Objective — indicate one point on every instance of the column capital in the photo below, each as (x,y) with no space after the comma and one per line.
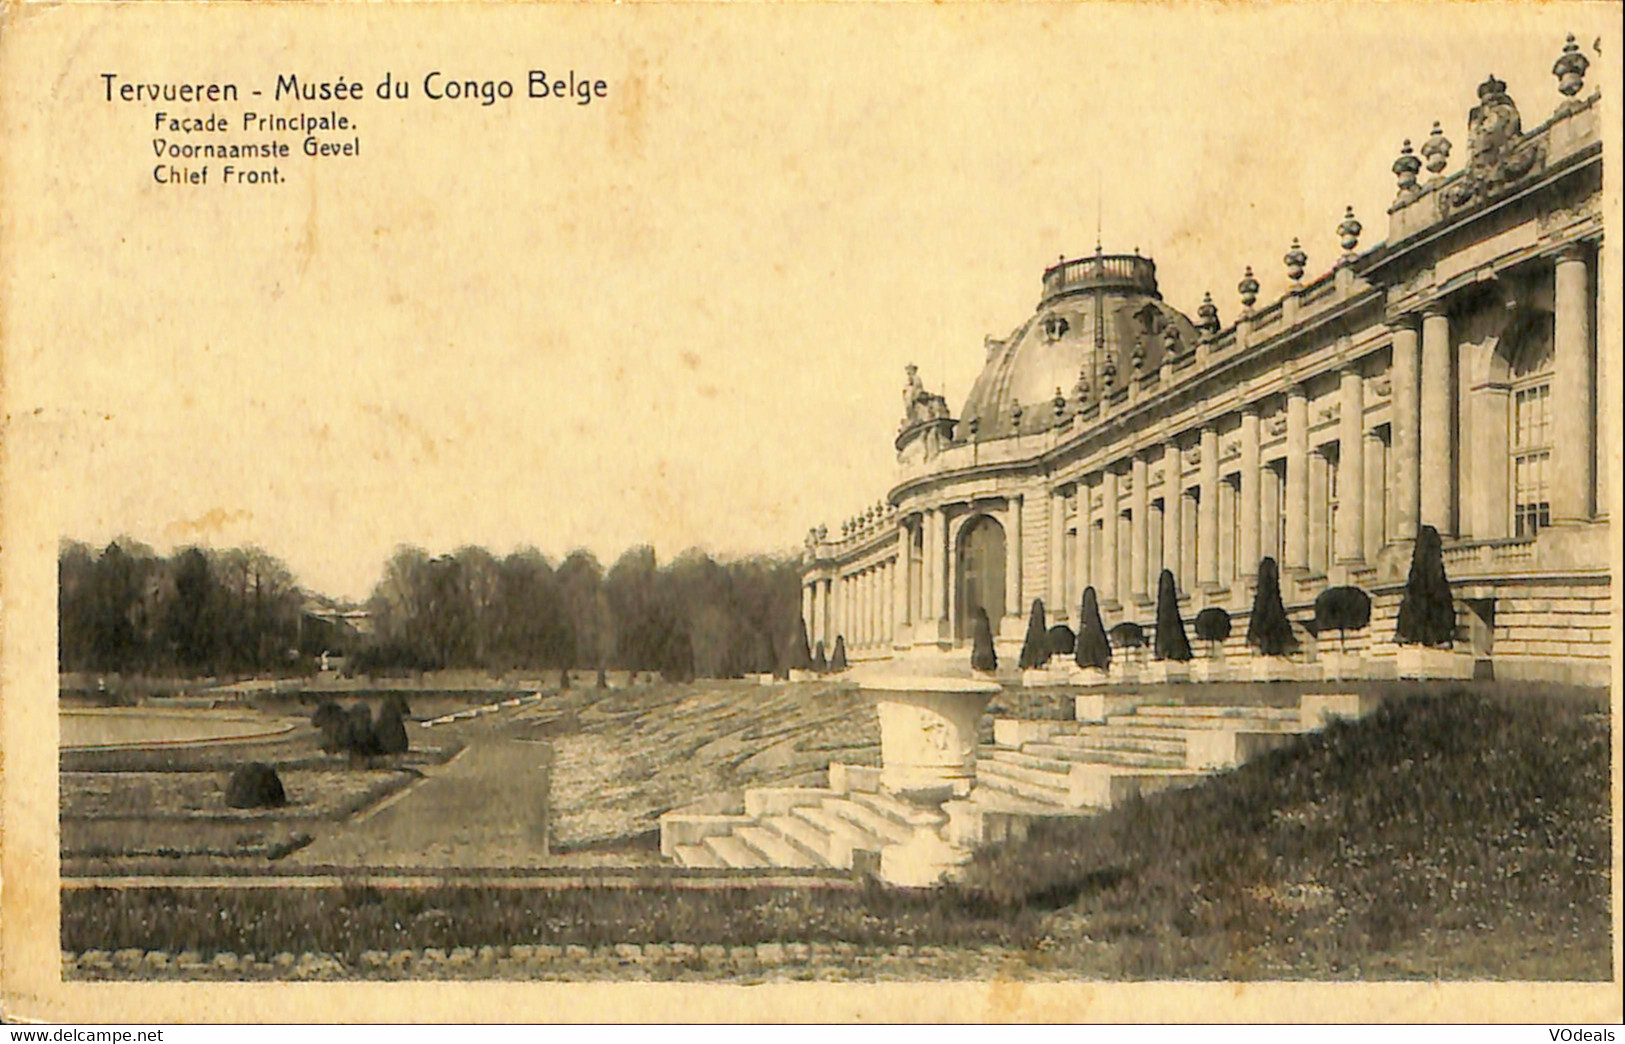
(1407,321)
(1251,409)
(1569,253)
(1438,308)
(1298,390)
(1353,366)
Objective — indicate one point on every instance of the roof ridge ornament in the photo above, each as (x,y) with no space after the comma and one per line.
(1405,169)
(1349,233)
(1295,260)
(1248,288)
(1436,150)
(1570,70)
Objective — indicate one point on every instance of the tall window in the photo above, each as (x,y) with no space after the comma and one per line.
(1531,436)
(1331,452)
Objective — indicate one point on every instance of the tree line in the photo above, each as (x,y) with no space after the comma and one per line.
(199,611)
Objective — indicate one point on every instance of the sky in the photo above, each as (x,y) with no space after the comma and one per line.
(678,315)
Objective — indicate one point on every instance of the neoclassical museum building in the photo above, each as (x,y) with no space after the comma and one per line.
(1448,375)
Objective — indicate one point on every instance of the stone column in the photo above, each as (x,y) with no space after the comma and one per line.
(1139,531)
(807,600)
(1319,505)
(1057,555)
(1573,403)
(928,567)
(1248,551)
(943,567)
(1296,552)
(1375,496)
(1080,548)
(1350,550)
(824,615)
(1437,432)
(1190,518)
(1172,509)
(1013,606)
(1207,526)
(888,602)
(1406,432)
(1106,583)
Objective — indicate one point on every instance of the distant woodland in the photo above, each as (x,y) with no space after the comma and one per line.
(207,612)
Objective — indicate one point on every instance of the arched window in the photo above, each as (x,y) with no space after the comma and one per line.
(1530,428)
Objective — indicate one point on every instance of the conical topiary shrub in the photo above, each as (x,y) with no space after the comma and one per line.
(800,658)
(1212,625)
(1427,615)
(1342,609)
(1035,647)
(1091,648)
(1171,641)
(837,662)
(1061,640)
(255,785)
(1268,629)
(982,656)
(820,662)
(564,678)
(603,678)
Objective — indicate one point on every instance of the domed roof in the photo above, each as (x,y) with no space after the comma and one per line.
(1095,314)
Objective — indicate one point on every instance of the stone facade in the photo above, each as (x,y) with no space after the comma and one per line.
(1448,376)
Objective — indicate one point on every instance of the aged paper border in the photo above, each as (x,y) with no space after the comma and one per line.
(29,873)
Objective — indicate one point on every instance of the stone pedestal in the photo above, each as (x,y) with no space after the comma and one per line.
(1426,663)
(928,729)
(1088,677)
(1159,672)
(1273,669)
(1207,669)
(1341,666)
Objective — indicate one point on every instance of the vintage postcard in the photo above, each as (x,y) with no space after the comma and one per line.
(940,513)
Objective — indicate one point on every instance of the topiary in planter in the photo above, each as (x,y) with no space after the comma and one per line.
(1035,647)
(1342,609)
(982,655)
(1212,625)
(1091,649)
(1427,615)
(1171,641)
(1127,635)
(390,730)
(1268,629)
(360,739)
(1061,640)
(837,662)
(820,662)
(255,785)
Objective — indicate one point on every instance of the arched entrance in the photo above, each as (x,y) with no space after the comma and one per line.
(979,574)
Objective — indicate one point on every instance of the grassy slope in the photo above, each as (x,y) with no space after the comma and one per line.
(1462,835)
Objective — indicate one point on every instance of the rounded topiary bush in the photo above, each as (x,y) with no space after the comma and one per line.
(1427,615)
(1171,641)
(1268,629)
(982,655)
(1090,647)
(1342,609)
(390,730)
(329,717)
(837,662)
(1212,624)
(359,736)
(1035,647)
(255,785)
(1061,640)
(1127,635)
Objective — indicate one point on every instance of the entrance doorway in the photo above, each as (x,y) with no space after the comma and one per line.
(980,575)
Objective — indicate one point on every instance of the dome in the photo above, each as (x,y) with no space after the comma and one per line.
(1109,300)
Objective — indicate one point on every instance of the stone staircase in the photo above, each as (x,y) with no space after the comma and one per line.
(1033,770)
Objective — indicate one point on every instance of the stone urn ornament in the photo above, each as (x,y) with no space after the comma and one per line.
(928,742)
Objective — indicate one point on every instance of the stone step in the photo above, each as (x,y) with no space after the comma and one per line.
(993,775)
(843,836)
(866,819)
(806,835)
(1106,755)
(778,849)
(994,799)
(735,853)
(698,856)
(1029,757)
(1165,741)
(1191,721)
(1212,710)
(895,809)
(1005,764)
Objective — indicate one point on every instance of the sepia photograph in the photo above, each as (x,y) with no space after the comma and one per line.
(963,513)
